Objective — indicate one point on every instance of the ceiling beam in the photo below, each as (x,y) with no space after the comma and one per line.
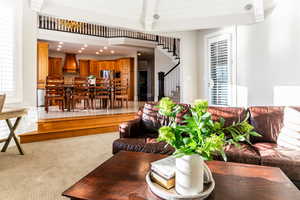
(259,12)
(36,5)
(149,10)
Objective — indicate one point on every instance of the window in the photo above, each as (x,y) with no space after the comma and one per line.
(220,70)
(8,53)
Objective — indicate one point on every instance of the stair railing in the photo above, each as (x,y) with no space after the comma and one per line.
(169,83)
(71,26)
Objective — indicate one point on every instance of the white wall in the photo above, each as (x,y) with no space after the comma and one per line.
(29,55)
(268,57)
(189,65)
(268,64)
(162,63)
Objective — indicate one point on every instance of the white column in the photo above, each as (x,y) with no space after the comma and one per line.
(29,55)
(189,69)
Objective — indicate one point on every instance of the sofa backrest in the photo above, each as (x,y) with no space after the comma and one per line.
(266,120)
(152,121)
(230,114)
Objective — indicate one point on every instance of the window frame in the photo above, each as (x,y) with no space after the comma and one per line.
(17,52)
(223,33)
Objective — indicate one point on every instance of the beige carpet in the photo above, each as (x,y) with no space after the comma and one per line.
(50,167)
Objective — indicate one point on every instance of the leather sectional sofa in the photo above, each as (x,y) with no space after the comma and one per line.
(139,135)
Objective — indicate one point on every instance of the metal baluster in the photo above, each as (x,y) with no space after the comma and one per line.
(52,23)
(46,22)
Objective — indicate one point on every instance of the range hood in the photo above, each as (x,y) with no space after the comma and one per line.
(70,65)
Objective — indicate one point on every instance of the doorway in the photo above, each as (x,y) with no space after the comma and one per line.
(142,85)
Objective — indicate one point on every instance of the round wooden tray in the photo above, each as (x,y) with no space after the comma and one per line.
(171,194)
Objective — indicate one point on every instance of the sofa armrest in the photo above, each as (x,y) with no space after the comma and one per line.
(130,129)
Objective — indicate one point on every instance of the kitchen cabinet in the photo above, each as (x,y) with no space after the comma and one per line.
(94,68)
(84,68)
(42,64)
(126,66)
(55,66)
(123,66)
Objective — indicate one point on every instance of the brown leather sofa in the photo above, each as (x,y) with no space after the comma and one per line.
(139,135)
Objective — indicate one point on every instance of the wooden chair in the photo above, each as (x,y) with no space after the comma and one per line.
(120,92)
(54,92)
(81,92)
(102,92)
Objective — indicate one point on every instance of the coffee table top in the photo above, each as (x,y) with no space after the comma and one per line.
(122,177)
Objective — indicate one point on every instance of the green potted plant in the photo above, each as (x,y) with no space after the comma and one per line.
(197,139)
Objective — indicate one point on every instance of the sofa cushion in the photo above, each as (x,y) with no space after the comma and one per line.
(129,144)
(287,160)
(230,114)
(267,121)
(243,154)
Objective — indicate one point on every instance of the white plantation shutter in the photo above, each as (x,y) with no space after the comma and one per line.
(7,49)
(220,70)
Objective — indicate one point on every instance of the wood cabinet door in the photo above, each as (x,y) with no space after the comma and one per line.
(130,64)
(84,68)
(111,65)
(117,66)
(103,65)
(55,66)
(94,68)
(126,66)
(42,63)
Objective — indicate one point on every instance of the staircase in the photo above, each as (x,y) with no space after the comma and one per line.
(169,82)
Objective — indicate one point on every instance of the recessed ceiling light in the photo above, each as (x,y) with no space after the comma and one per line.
(248,6)
(97,52)
(85,45)
(61,43)
(139,54)
(58,49)
(82,48)
(79,51)
(59,46)
(101,50)
(112,51)
(105,48)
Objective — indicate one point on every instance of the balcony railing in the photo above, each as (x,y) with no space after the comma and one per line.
(71,26)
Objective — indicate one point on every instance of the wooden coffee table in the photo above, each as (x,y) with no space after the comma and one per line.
(122,177)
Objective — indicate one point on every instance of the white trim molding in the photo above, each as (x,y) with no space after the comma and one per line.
(231,32)
(259,12)
(36,5)
(149,8)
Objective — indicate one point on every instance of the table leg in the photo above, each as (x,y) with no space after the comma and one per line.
(12,134)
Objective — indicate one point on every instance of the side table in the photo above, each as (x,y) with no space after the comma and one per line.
(7,115)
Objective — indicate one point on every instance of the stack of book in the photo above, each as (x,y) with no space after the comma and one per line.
(162,172)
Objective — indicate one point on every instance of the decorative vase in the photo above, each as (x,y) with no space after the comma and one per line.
(189,174)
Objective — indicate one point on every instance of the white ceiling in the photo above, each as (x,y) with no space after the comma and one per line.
(92,49)
(174,15)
